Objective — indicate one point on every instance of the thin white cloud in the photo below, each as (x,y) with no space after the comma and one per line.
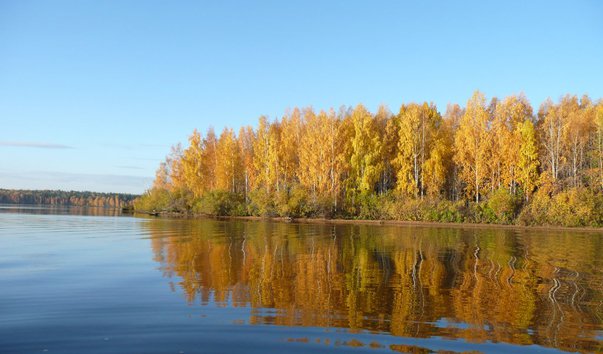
(35,144)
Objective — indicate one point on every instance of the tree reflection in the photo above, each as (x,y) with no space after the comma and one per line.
(500,285)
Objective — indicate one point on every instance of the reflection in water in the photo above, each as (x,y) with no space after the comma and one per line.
(59,210)
(497,285)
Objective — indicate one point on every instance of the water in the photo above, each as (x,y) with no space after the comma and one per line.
(71,282)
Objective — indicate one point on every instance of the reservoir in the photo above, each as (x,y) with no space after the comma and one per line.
(90,281)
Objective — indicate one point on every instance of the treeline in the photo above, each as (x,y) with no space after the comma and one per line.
(68,198)
(492,162)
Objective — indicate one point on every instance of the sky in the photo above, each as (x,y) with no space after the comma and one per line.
(94,93)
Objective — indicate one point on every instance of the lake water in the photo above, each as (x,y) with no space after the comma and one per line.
(71,282)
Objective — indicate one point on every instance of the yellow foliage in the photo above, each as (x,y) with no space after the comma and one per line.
(356,164)
(472,144)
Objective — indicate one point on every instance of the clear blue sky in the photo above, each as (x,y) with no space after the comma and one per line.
(94,93)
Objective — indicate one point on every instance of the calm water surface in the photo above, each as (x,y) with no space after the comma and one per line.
(72,282)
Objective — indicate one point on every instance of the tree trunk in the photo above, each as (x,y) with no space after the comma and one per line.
(476,186)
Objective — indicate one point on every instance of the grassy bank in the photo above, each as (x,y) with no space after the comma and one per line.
(575,207)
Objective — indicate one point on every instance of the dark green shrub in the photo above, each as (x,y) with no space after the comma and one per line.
(503,205)
(371,206)
(153,200)
(574,207)
(293,203)
(218,203)
(261,203)
(444,211)
(406,209)
(479,213)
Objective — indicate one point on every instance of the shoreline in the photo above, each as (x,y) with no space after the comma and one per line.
(381,222)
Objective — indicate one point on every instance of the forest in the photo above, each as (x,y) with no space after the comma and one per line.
(67,198)
(496,161)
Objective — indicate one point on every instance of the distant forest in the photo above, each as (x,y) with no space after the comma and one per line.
(488,162)
(72,198)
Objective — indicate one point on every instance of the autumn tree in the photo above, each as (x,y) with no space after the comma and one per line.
(598,143)
(319,152)
(386,124)
(576,133)
(346,133)
(451,121)
(210,158)
(550,127)
(175,168)
(194,167)
(527,164)
(471,144)
(505,140)
(246,142)
(263,155)
(334,152)
(313,153)
(366,164)
(287,148)
(435,168)
(433,150)
(417,135)
(161,177)
(227,162)
(274,171)
(407,158)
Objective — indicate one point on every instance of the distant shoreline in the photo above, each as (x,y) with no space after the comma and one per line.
(66,198)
